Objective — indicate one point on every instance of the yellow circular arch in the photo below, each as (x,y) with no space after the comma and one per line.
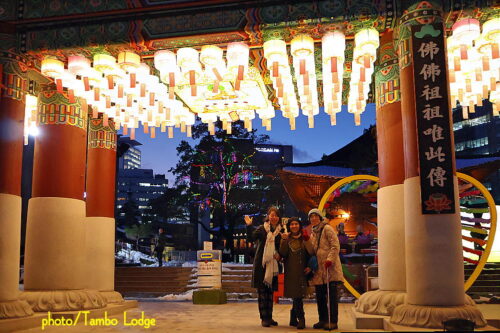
(491,234)
(324,199)
(473,181)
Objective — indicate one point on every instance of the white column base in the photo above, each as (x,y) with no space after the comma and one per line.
(434,258)
(112,297)
(391,238)
(63,300)
(391,255)
(10,246)
(433,316)
(100,257)
(434,266)
(55,257)
(380,302)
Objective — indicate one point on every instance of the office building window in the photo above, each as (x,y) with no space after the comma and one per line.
(459,146)
(471,122)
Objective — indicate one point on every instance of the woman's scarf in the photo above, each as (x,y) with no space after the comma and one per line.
(268,262)
(317,231)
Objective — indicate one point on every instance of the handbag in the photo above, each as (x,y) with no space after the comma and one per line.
(312,263)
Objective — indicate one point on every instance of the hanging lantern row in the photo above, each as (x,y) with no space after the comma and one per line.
(216,88)
(333,48)
(122,89)
(366,43)
(474,64)
(302,49)
(333,58)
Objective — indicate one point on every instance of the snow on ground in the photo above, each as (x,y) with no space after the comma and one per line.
(187,296)
(229,267)
(135,257)
(190,264)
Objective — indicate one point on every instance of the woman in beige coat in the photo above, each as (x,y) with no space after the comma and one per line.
(327,248)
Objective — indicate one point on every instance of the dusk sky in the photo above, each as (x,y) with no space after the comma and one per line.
(308,144)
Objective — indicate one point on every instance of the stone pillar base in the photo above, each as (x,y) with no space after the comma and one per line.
(15,309)
(380,302)
(112,297)
(433,316)
(63,300)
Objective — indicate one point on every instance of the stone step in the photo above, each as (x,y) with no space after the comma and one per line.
(150,289)
(234,296)
(148,283)
(236,283)
(489,276)
(488,289)
(151,278)
(488,266)
(238,267)
(235,278)
(240,272)
(154,270)
(484,283)
(239,290)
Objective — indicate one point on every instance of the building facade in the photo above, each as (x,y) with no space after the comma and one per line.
(479,136)
(131,158)
(139,186)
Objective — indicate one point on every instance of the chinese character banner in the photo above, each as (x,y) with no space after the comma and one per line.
(433,119)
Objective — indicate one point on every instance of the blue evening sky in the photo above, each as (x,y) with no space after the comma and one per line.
(308,144)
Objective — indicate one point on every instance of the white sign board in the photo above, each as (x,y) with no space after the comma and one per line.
(209,269)
(207,246)
(209,281)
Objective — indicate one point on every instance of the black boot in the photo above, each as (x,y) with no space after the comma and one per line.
(266,323)
(330,326)
(293,318)
(319,325)
(301,324)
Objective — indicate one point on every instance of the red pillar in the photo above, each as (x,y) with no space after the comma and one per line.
(391,242)
(55,235)
(434,263)
(13,84)
(100,222)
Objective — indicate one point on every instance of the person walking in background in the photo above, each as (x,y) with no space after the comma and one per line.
(296,248)
(161,241)
(343,238)
(362,240)
(265,265)
(326,247)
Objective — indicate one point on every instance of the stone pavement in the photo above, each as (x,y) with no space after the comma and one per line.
(231,317)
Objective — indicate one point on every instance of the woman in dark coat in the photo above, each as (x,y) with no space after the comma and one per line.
(295,248)
(265,265)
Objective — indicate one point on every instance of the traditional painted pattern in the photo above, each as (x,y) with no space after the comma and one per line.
(387,76)
(314,18)
(43,8)
(425,12)
(101,136)
(189,27)
(220,39)
(54,108)
(13,71)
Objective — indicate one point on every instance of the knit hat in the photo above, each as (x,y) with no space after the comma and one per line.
(315,211)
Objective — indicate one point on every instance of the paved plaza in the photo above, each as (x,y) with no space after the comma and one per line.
(231,317)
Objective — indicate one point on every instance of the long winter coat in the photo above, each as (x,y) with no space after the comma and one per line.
(258,236)
(328,249)
(295,252)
